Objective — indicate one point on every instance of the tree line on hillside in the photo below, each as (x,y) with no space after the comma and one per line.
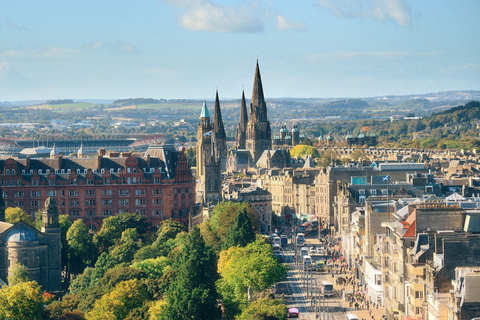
(131,270)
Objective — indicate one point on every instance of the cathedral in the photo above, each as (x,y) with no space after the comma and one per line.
(253,143)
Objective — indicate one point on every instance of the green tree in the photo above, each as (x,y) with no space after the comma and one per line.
(19,274)
(169,229)
(81,251)
(215,230)
(193,295)
(264,309)
(126,247)
(241,233)
(14,215)
(155,268)
(253,266)
(113,227)
(23,301)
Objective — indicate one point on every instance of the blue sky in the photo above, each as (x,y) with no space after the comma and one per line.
(187,48)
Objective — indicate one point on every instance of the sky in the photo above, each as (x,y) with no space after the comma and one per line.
(186,49)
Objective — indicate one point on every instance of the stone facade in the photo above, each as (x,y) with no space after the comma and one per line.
(39,252)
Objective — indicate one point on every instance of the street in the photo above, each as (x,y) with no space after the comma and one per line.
(302,289)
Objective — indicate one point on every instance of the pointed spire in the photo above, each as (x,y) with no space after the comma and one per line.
(218,127)
(242,124)
(258,105)
(204,113)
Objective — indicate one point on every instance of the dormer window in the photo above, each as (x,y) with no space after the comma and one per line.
(13,171)
(39,171)
(7,171)
(78,171)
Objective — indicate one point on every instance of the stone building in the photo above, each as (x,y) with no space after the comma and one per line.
(39,252)
(158,185)
(209,167)
(464,299)
(261,202)
(292,138)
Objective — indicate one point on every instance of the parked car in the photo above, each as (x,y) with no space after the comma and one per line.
(319,249)
(312,249)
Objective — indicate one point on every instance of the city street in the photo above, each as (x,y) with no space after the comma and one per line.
(302,290)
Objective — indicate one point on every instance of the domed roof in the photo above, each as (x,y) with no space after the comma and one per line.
(329,137)
(288,137)
(283,130)
(361,135)
(349,136)
(373,135)
(21,233)
(295,130)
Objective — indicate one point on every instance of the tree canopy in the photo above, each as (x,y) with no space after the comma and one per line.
(301,150)
(14,215)
(241,232)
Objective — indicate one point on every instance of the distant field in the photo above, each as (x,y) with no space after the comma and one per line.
(121,108)
(182,105)
(65,107)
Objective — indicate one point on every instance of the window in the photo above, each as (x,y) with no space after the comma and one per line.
(361,192)
(378,279)
(384,191)
(157,202)
(418,294)
(361,199)
(157,192)
(373,191)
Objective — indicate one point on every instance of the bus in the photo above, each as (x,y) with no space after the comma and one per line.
(276,247)
(307,263)
(277,240)
(320,266)
(300,239)
(327,289)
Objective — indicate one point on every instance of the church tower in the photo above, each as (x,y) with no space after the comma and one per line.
(208,168)
(52,231)
(241,136)
(259,134)
(219,136)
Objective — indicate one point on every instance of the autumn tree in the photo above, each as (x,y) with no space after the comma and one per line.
(117,304)
(264,309)
(301,150)
(23,301)
(253,266)
(19,274)
(14,215)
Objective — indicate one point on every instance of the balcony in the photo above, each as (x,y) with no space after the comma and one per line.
(416,270)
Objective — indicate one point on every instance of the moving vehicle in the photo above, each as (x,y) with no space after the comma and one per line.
(327,289)
(293,313)
(276,247)
(307,263)
(284,241)
(303,252)
(312,249)
(351,316)
(276,240)
(320,266)
(279,256)
(300,239)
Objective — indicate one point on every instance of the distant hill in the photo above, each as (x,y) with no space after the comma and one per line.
(350,103)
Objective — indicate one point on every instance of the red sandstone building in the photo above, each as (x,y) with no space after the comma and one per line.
(158,185)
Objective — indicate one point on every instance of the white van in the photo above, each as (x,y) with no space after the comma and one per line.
(351,316)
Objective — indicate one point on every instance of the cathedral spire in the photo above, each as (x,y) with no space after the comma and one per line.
(218,128)
(258,105)
(242,124)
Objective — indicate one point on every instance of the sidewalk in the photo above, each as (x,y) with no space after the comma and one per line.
(362,313)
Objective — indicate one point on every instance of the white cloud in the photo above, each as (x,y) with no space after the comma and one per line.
(284,24)
(119,47)
(397,11)
(42,52)
(206,15)
(15,27)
